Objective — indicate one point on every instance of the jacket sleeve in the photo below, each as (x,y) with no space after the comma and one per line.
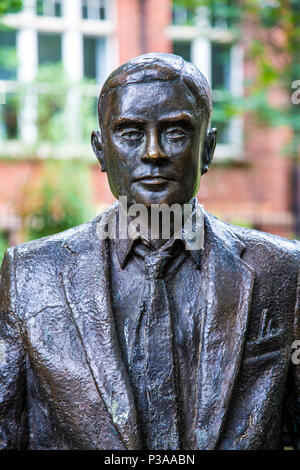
(291,409)
(13,422)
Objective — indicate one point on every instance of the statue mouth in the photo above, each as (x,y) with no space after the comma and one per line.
(152,178)
(153,182)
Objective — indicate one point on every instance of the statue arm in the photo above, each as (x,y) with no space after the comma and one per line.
(296,414)
(13,419)
(296,373)
(292,396)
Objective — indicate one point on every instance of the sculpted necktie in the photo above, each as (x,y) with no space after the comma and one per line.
(152,360)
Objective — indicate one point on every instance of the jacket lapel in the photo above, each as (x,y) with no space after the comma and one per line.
(227,284)
(86,284)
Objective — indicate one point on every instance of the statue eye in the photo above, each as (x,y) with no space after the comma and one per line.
(175,133)
(131,134)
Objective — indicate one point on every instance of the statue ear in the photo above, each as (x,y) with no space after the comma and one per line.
(208,150)
(96,141)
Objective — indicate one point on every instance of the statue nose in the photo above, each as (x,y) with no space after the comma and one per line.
(153,150)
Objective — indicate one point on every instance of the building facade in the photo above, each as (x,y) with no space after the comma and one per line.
(250,181)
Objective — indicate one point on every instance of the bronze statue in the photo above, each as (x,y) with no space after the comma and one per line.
(141,342)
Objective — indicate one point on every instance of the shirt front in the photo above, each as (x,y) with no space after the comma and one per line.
(182,280)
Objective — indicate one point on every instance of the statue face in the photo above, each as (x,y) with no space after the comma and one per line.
(152,141)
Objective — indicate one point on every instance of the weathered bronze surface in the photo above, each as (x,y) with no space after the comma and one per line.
(142,344)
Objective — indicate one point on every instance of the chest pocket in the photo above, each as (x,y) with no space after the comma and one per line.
(267,348)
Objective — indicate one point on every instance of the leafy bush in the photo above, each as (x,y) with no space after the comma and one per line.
(57,199)
(3,245)
(53,86)
(10,6)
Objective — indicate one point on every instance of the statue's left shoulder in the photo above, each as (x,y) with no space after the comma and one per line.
(258,247)
(269,246)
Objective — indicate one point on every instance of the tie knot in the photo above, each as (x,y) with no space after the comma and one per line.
(156,264)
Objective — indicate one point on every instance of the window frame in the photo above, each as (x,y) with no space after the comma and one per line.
(201,36)
(70,26)
(88,5)
(49,8)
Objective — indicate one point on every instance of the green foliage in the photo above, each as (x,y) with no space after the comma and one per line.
(242,223)
(8,57)
(88,110)
(10,6)
(226,107)
(52,84)
(54,116)
(218,9)
(3,245)
(59,199)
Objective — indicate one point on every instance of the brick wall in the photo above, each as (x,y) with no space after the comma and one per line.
(128,29)
(137,36)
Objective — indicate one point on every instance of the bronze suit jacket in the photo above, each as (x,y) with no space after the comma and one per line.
(63,384)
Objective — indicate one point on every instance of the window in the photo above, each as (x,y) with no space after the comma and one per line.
(220,78)
(222,14)
(220,66)
(49,8)
(8,71)
(94,9)
(202,37)
(49,48)
(183,48)
(8,62)
(183,16)
(94,53)
(8,117)
(37,112)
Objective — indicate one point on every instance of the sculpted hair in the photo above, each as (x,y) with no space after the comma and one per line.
(152,67)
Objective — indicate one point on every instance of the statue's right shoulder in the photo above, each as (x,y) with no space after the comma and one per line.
(82,236)
(52,242)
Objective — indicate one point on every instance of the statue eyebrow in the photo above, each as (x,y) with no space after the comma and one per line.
(175,117)
(123,120)
(182,117)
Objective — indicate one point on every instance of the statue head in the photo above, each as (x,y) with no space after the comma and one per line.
(154,140)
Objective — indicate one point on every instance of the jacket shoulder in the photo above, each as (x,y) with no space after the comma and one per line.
(51,244)
(37,266)
(259,245)
(255,239)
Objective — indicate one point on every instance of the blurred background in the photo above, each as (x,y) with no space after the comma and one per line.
(56,54)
